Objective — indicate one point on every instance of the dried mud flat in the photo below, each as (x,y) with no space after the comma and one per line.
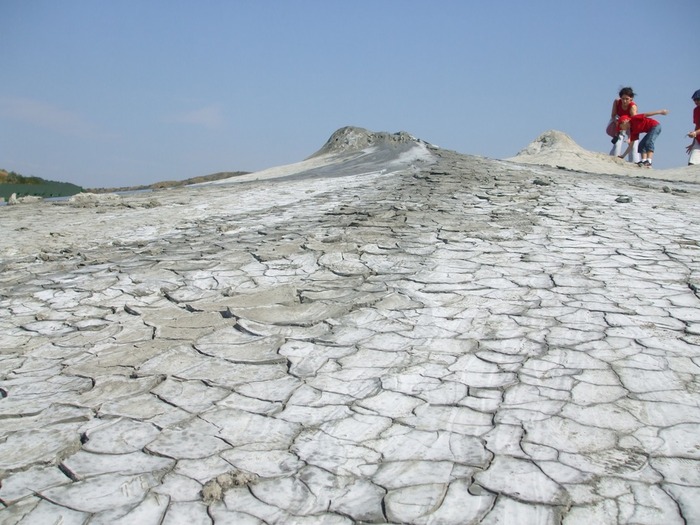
(385,333)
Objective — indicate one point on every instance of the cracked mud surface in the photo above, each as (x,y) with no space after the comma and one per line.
(467,341)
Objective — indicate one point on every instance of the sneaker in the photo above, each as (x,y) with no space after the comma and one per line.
(640,164)
(647,164)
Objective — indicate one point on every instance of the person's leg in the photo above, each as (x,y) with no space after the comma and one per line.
(634,154)
(694,159)
(650,138)
(618,148)
(642,150)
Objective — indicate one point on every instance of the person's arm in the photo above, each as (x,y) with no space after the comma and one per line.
(633,110)
(629,147)
(613,113)
(659,112)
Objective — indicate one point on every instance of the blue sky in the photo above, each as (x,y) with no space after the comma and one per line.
(124,92)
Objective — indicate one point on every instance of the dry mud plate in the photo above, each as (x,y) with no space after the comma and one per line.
(386,332)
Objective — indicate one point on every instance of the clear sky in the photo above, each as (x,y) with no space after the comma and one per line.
(124,92)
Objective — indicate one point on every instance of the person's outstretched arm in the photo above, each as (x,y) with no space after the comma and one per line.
(659,112)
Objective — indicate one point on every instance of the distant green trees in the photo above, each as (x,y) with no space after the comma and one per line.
(16,178)
(11,182)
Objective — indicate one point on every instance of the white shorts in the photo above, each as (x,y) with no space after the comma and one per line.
(695,153)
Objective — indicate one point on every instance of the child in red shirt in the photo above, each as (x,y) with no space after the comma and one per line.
(694,148)
(637,125)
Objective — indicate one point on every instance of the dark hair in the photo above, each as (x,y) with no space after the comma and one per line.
(696,95)
(628,91)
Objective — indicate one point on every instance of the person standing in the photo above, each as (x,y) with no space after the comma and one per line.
(624,105)
(694,148)
(637,125)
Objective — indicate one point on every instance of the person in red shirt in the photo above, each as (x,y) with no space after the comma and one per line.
(623,105)
(694,148)
(637,125)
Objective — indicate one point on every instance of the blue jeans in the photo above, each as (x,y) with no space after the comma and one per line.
(646,145)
